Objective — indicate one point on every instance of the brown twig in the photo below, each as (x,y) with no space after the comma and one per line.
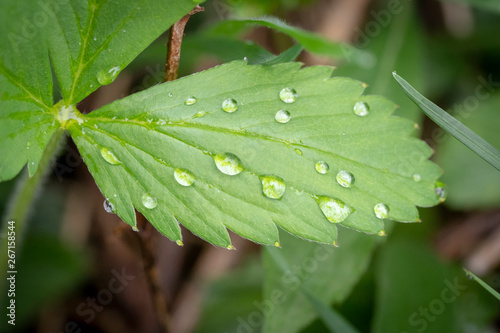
(174,45)
(147,245)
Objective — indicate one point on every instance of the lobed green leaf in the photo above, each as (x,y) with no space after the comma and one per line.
(180,125)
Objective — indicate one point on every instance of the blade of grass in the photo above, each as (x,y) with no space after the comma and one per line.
(331,318)
(483,284)
(461,132)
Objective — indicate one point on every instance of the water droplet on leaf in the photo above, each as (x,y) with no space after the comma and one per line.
(441,191)
(184,177)
(381,210)
(106,77)
(334,210)
(109,156)
(322,167)
(148,201)
(298,151)
(288,95)
(228,164)
(200,114)
(345,178)
(230,105)
(417,177)
(191,100)
(273,187)
(282,116)
(361,109)
(179,242)
(108,206)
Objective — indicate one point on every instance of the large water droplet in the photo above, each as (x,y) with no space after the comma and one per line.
(108,206)
(228,163)
(109,156)
(282,116)
(288,95)
(334,210)
(322,167)
(273,187)
(230,105)
(184,177)
(106,77)
(345,178)
(441,191)
(148,201)
(361,109)
(381,210)
(191,100)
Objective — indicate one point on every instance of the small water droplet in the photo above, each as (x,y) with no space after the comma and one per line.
(277,244)
(190,100)
(170,95)
(230,105)
(334,210)
(95,38)
(230,247)
(345,178)
(148,201)
(298,151)
(184,177)
(124,30)
(179,242)
(282,116)
(161,122)
(109,156)
(381,210)
(361,109)
(417,177)
(288,95)
(200,114)
(228,164)
(106,77)
(273,187)
(322,167)
(108,206)
(134,228)
(382,233)
(441,191)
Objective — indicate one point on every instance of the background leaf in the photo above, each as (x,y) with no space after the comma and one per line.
(328,272)
(311,42)
(164,134)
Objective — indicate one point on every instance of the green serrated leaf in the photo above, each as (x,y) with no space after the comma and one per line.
(155,132)
(90,42)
